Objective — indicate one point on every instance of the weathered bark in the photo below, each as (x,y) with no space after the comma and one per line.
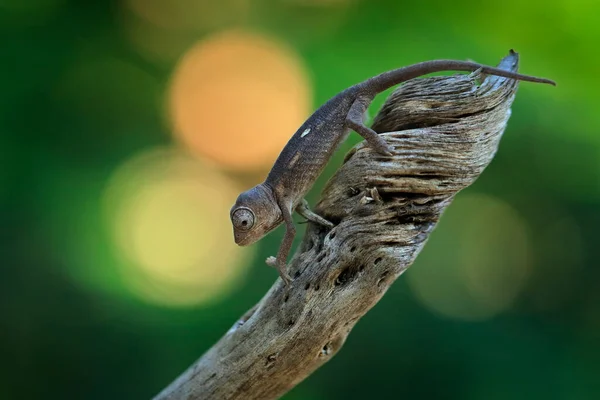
(446,131)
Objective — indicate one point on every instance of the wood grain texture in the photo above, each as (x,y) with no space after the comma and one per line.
(445,131)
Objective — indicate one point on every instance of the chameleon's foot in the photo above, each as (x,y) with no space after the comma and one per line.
(305,211)
(376,142)
(281,268)
(381,146)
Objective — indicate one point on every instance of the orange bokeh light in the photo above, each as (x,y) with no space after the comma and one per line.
(237,98)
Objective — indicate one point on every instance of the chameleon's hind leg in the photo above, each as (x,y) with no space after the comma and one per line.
(355,121)
(306,212)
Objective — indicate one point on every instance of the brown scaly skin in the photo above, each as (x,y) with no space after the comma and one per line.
(264,207)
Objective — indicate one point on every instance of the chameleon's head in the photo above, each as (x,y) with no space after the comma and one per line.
(254,214)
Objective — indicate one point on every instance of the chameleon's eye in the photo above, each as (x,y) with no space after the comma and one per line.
(242,219)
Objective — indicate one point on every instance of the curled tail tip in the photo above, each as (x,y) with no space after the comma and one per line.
(514,53)
(547,81)
(541,80)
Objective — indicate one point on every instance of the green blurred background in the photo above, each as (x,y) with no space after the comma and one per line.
(129,126)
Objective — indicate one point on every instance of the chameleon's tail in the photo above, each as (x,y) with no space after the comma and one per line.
(388,79)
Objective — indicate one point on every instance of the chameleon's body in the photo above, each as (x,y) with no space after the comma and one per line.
(264,207)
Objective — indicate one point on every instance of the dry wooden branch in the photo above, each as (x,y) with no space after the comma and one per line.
(446,131)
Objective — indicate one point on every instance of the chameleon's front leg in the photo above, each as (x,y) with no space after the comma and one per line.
(284,249)
(355,121)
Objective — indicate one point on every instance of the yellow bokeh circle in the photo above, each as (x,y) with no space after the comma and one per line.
(237,98)
(169,220)
(477,261)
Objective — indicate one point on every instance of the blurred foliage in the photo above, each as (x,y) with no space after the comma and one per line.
(116,274)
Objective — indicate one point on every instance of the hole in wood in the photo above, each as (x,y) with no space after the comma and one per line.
(382,278)
(377,260)
(307,286)
(309,246)
(326,350)
(345,276)
(352,192)
(321,257)
(352,249)
(270,361)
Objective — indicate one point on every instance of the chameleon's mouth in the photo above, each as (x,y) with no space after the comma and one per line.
(242,240)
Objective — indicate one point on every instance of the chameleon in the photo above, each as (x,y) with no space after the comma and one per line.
(264,207)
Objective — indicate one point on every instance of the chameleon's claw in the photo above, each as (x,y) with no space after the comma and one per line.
(387,152)
(281,268)
(271,261)
(382,147)
(287,280)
